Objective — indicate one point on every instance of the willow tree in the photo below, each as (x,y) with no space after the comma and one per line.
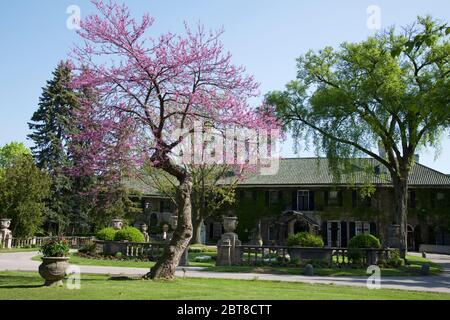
(389,91)
(152,90)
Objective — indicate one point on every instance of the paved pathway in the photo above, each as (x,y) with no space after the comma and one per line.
(21,261)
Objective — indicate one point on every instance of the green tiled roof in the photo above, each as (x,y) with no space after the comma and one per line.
(142,186)
(316,171)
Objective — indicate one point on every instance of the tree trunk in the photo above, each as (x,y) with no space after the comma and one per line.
(197,222)
(401,210)
(167,264)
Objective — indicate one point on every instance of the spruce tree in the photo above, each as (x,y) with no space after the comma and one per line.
(50,126)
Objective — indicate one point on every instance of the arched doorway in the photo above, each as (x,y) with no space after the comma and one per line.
(153,220)
(300,226)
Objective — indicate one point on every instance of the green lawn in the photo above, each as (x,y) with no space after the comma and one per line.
(413,269)
(74,259)
(16,285)
(410,270)
(18,250)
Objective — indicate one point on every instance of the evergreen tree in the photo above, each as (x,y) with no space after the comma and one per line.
(50,127)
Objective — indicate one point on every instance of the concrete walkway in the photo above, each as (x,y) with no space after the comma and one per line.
(21,261)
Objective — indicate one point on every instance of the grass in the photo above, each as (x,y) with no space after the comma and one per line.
(413,269)
(18,250)
(28,286)
(77,260)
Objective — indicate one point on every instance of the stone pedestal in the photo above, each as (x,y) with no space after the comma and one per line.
(394,236)
(144,229)
(5,233)
(227,252)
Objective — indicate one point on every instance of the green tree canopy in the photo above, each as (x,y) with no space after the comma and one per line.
(12,151)
(23,188)
(389,91)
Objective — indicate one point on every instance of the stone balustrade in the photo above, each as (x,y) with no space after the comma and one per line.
(271,255)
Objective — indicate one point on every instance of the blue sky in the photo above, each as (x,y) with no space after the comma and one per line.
(265,36)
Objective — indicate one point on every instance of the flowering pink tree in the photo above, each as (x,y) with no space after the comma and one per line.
(149,88)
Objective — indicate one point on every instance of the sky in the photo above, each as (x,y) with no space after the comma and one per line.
(265,36)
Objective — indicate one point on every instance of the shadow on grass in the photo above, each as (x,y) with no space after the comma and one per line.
(25,286)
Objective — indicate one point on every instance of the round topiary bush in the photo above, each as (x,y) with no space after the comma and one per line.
(364,241)
(129,234)
(305,239)
(106,234)
(361,241)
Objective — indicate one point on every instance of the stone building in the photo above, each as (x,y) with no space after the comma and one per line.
(304,195)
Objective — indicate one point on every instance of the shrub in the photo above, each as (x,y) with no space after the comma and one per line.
(305,239)
(200,248)
(118,255)
(106,234)
(395,259)
(55,248)
(89,249)
(361,241)
(129,234)
(364,241)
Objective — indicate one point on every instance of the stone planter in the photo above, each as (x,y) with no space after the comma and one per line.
(310,254)
(230,224)
(53,270)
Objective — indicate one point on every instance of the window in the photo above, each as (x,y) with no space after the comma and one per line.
(303,200)
(359,201)
(333,198)
(440,196)
(248,194)
(273,197)
(164,206)
(362,227)
(411,199)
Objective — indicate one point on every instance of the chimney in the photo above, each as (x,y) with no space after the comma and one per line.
(417,158)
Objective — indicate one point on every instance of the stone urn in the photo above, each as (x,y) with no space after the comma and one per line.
(144,227)
(117,224)
(165,229)
(53,270)
(5,223)
(174,222)
(230,224)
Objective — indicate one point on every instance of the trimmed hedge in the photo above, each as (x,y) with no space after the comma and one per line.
(129,234)
(305,239)
(106,234)
(364,241)
(361,241)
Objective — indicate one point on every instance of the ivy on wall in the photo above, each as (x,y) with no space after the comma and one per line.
(252,205)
